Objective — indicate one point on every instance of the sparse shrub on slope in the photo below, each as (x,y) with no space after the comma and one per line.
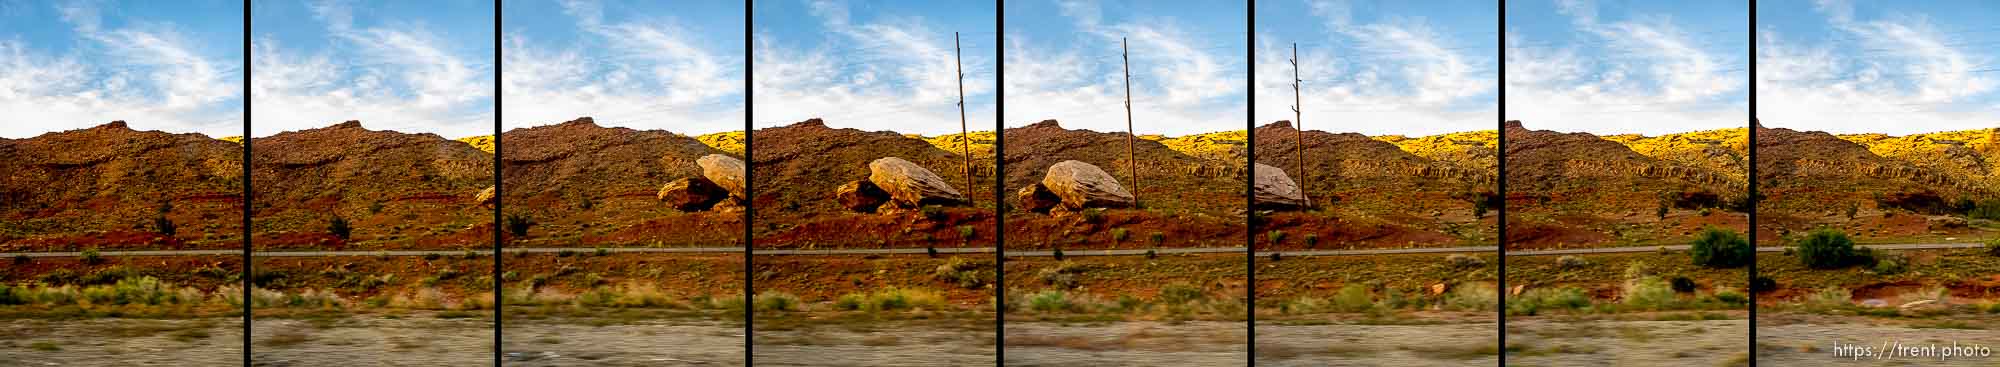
(518,225)
(1721,248)
(339,228)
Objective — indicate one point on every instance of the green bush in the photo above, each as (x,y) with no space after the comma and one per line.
(1889,263)
(777,301)
(163,226)
(1312,240)
(1721,248)
(1157,237)
(1992,247)
(90,256)
(1731,297)
(1181,293)
(1682,284)
(1472,298)
(1051,301)
(966,233)
(1119,234)
(1093,215)
(1825,248)
(518,225)
(339,228)
(1650,293)
(1353,298)
(1986,209)
(1275,236)
(1533,301)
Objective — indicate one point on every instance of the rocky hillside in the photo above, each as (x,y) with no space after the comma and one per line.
(559,167)
(1811,171)
(1168,179)
(798,166)
(1358,166)
(401,189)
(1584,169)
(104,186)
(601,183)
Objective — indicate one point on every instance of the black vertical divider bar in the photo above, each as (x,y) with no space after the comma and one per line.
(1249,186)
(246,183)
(1755,199)
(499,299)
(999,186)
(1500,309)
(749,182)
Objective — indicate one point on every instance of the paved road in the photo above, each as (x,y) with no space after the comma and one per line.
(960,250)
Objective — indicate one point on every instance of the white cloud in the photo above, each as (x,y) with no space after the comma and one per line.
(1899,75)
(648,74)
(145,73)
(1648,76)
(1402,75)
(1181,85)
(413,81)
(892,73)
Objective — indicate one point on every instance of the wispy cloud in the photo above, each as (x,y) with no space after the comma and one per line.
(1402,75)
(1643,74)
(646,73)
(398,76)
(1898,74)
(143,71)
(1181,83)
(890,72)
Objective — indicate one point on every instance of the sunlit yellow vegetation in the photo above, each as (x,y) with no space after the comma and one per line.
(982,143)
(232,139)
(1221,145)
(727,141)
(1957,153)
(483,142)
(1474,150)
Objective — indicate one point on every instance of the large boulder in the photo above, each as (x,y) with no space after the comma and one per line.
(860,195)
(910,185)
(725,172)
(1037,198)
(485,198)
(1082,185)
(692,194)
(1275,190)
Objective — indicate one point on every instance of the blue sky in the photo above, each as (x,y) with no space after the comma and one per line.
(873,65)
(1628,66)
(1188,65)
(655,65)
(157,65)
(413,67)
(1878,66)
(1380,67)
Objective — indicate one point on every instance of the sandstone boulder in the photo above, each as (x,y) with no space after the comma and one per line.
(1037,198)
(725,171)
(1276,191)
(485,197)
(728,205)
(1082,185)
(860,196)
(910,185)
(692,194)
